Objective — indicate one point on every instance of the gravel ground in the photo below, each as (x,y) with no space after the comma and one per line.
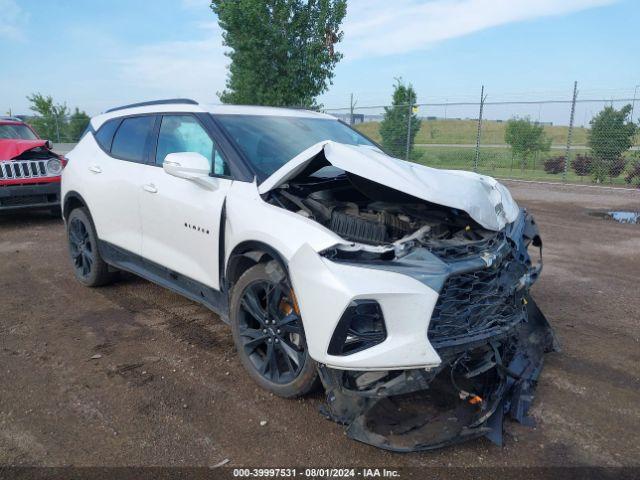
(132,374)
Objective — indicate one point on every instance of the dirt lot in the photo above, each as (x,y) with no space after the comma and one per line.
(168,388)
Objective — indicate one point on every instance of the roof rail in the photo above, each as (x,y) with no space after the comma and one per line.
(10,118)
(186,101)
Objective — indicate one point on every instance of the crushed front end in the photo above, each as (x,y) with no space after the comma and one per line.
(488,332)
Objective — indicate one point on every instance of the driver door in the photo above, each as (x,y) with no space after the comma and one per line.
(180,219)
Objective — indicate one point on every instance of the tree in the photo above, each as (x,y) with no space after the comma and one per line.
(394,126)
(51,120)
(610,136)
(526,139)
(282,51)
(77,124)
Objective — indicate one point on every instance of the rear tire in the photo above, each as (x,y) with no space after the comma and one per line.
(268,332)
(89,267)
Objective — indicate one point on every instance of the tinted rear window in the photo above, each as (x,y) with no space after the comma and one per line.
(104,135)
(131,138)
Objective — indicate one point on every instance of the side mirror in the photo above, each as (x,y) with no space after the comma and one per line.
(187,165)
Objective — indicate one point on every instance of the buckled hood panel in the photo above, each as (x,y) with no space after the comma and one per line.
(486,200)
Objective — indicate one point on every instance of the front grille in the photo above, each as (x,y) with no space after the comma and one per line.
(478,303)
(19,169)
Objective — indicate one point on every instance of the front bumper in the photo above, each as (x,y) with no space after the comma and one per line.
(464,342)
(428,300)
(21,197)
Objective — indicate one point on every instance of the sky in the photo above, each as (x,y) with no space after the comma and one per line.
(96,55)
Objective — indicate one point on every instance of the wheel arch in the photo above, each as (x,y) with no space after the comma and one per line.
(247,254)
(71,201)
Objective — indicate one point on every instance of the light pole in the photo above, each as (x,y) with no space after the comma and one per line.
(633,103)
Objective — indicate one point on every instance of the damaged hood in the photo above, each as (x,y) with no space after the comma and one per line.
(10,148)
(486,200)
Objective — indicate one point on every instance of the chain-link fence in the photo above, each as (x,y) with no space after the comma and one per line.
(579,140)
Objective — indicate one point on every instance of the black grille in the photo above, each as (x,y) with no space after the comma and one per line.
(478,303)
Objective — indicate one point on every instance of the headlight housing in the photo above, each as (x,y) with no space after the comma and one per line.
(54,167)
(360,327)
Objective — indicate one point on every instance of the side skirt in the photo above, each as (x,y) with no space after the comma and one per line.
(215,300)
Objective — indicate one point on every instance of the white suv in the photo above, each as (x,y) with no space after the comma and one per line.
(327,257)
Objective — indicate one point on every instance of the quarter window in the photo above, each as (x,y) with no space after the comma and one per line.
(104,135)
(131,138)
(183,133)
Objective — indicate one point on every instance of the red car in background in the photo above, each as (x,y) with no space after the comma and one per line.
(29,170)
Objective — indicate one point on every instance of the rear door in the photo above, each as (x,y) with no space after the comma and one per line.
(116,178)
(180,219)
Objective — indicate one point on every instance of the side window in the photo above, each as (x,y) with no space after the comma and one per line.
(183,133)
(131,138)
(104,135)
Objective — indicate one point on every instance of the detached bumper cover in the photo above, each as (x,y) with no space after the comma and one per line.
(466,397)
(490,338)
(19,197)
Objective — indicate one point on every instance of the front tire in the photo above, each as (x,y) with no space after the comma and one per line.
(89,267)
(268,332)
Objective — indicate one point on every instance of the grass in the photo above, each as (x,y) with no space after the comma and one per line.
(498,162)
(465,131)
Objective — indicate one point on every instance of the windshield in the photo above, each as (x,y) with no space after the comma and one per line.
(16,131)
(269,142)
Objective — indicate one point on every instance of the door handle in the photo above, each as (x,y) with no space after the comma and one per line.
(151,188)
(95,169)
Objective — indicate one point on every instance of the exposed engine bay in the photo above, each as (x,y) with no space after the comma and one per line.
(384,221)
(486,328)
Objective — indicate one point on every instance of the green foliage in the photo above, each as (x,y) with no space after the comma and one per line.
(525,139)
(610,136)
(281,51)
(633,176)
(77,124)
(393,128)
(51,120)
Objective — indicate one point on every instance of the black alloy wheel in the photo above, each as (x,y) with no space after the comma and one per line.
(269,334)
(88,266)
(81,248)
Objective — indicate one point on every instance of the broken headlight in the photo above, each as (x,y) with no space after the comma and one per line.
(360,327)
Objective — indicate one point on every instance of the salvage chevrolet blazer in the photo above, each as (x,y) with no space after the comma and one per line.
(402,289)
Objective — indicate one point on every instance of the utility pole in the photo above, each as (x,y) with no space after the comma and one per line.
(633,104)
(477,159)
(55,117)
(351,108)
(409,129)
(570,133)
